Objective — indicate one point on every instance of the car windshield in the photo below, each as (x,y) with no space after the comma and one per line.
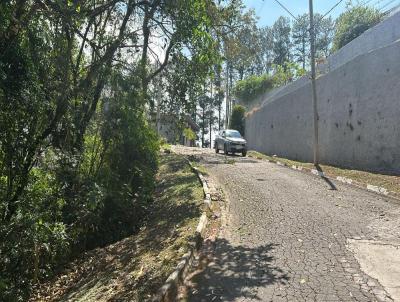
(233,133)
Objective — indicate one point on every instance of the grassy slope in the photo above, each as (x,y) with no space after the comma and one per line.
(133,269)
(390,182)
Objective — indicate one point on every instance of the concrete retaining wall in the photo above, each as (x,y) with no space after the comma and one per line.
(359,115)
(381,35)
(384,33)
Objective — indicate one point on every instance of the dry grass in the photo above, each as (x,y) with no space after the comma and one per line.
(389,182)
(134,269)
(199,168)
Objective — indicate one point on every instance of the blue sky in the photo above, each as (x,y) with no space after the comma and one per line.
(268,10)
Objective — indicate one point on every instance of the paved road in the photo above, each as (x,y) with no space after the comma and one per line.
(287,236)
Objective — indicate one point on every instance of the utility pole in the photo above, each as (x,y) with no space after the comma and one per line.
(313,84)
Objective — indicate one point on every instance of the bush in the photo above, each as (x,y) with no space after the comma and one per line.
(80,199)
(237,119)
(35,240)
(189,134)
(248,89)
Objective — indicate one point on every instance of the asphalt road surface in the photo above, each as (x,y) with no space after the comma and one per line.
(288,236)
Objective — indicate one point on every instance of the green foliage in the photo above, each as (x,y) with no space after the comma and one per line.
(324,30)
(248,89)
(354,22)
(237,119)
(281,32)
(77,154)
(130,163)
(286,73)
(301,37)
(189,134)
(35,239)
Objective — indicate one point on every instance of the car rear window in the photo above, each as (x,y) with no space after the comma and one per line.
(233,133)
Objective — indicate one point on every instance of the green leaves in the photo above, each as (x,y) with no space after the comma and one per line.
(237,119)
(189,134)
(253,86)
(78,155)
(353,23)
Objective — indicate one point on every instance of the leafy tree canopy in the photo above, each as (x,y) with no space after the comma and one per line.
(354,22)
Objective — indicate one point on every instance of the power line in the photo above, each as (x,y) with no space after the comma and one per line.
(286,9)
(365,2)
(333,7)
(377,2)
(390,2)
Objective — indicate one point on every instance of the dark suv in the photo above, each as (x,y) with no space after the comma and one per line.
(230,141)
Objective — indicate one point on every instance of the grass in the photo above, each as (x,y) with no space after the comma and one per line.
(165,146)
(199,167)
(135,268)
(389,182)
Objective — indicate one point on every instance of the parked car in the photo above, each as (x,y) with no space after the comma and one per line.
(230,141)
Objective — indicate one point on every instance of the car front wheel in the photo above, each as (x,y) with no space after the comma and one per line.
(244,153)
(226,149)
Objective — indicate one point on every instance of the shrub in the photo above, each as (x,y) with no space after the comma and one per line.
(237,119)
(79,199)
(189,134)
(248,89)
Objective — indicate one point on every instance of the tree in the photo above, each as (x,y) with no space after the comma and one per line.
(324,28)
(77,154)
(266,51)
(301,39)
(240,44)
(237,119)
(248,89)
(244,46)
(281,41)
(354,22)
(219,93)
(205,115)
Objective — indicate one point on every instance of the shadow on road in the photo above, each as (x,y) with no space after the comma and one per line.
(233,272)
(327,180)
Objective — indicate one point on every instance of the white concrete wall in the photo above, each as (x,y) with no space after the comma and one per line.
(359,115)
(384,33)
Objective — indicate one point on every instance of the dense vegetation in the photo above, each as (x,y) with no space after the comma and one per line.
(78,155)
(283,51)
(254,86)
(237,119)
(353,23)
(82,86)
(134,269)
(251,87)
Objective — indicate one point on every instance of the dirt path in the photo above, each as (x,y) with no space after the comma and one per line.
(288,236)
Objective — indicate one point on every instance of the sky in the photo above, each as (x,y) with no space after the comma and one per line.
(269,11)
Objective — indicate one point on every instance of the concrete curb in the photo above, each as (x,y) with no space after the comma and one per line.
(348,181)
(169,291)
